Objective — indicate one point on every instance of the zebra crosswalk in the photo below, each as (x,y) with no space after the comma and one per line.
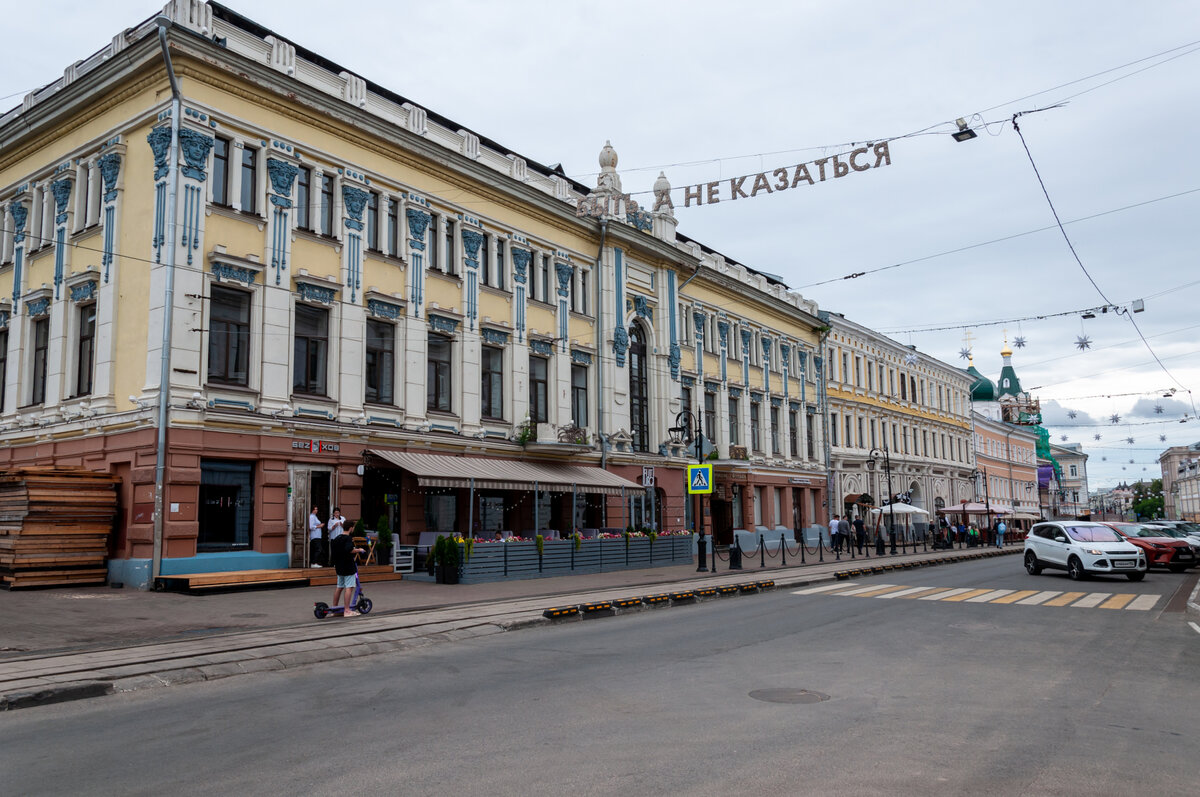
(1116,601)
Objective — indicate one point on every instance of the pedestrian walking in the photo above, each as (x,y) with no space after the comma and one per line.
(860,533)
(834,541)
(315,545)
(342,557)
(1001,530)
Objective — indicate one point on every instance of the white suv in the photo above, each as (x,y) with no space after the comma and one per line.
(1081,549)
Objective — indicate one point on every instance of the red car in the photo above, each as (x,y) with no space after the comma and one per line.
(1161,551)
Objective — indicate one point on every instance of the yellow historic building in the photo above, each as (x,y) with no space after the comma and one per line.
(353,300)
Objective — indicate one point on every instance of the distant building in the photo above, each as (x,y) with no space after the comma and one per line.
(1071,498)
(1181,481)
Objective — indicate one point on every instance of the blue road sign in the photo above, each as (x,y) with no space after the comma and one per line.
(699,479)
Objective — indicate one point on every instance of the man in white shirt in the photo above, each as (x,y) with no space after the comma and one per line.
(315,548)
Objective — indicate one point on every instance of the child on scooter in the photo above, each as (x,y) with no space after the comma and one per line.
(342,555)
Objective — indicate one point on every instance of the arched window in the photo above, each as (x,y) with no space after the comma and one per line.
(639,393)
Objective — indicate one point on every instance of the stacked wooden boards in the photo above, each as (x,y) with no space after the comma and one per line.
(54,526)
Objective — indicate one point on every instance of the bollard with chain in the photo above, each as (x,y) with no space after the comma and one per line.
(762,552)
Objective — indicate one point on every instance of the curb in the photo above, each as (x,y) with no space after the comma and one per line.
(55,694)
(1193,604)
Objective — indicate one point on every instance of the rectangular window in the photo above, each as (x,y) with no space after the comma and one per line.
(833,429)
(793,434)
(860,433)
(438,380)
(249,179)
(849,432)
(583,291)
(579,394)
(310,350)
(303,189)
(845,367)
(393,228)
(41,345)
(538,390)
(373,221)
(755,424)
(733,422)
(448,249)
(858,371)
(220,171)
(544,282)
(501,263)
(326,205)
(85,352)
(873,437)
(811,435)
(3,364)
(226,511)
(775,431)
(924,443)
(1074,470)
(492,385)
(229,337)
(381,362)
(710,416)
(432,237)
(485,261)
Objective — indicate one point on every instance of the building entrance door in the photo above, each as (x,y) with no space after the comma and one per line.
(310,486)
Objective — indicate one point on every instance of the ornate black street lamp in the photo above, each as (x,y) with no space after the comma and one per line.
(873,463)
(683,424)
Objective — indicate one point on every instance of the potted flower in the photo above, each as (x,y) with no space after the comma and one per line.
(448,560)
(384,530)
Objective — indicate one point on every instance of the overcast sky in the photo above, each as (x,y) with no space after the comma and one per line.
(707,91)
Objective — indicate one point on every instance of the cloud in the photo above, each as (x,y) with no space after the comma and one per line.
(1171,408)
(1055,414)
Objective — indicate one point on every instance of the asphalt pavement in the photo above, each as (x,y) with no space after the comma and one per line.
(819,687)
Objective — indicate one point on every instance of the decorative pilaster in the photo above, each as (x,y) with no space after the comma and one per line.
(723,336)
(746,338)
(195,147)
(620,334)
(282,175)
(698,321)
(471,240)
(766,362)
(61,190)
(20,215)
(160,144)
(354,200)
(565,273)
(673,356)
(109,165)
(521,259)
(418,224)
(785,354)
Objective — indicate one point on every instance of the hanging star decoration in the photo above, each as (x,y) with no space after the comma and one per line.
(1158,409)
(1063,438)
(1129,440)
(910,359)
(1114,419)
(1096,436)
(1083,342)
(1104,459)
(1072,414)
(1162,438)
(1131,462)
(1019,342)
(964,353)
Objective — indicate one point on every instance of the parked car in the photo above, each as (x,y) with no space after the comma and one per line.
(1162,549)
(1082,549)
(1177,533)
(1190,530)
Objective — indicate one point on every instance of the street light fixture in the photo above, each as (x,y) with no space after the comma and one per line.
(964,133)
(683,425)
(872,463)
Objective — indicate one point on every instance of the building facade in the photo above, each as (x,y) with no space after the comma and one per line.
(884,396)
(1070,499)
(1180,465)
(290,288)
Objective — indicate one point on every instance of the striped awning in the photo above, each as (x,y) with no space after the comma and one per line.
(445,470)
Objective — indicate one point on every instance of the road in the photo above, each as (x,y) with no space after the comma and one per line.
(941,696)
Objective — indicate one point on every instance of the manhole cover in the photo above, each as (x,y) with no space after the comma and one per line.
(788,696)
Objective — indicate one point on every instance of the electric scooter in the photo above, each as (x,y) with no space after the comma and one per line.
(362,604)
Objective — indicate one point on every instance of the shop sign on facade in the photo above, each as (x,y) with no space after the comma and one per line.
(315,446)
(798,480)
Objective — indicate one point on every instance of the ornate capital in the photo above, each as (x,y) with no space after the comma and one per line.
(443,324)
(195,147)
(581,357)
(19,213)
(642,308)
(541,347)
(110,168)
(520,258)
(673,360)
(355,199)
(493,336)
(418,222)
(698,320)
(83,291)
(160,142)
(564,272)
(62,194)
(227,271)
(282,175)
(723,333)
(38,307)
(472,240)
(315,293)
(620,345)
(746,336)
(382,309)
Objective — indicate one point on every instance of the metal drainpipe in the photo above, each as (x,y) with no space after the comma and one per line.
(164,373)
(600,349)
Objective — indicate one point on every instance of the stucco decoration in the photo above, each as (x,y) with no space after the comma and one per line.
(494,336)
(355,200)
(541,347)
(226,271)
(160,142)
(673,360)
(564,273)
(520,258)
(20,214)
(620,345)
(443,324)
(642,307)
(383,309)
(195,147)
(315,293)
(472,240)
(418,222)
(83,291)
(282,175)
(38,307)
(62,195)
(110,169)
(581,357)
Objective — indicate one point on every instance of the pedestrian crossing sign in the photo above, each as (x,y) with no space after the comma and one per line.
(699,479)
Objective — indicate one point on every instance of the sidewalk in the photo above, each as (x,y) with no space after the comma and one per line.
(63,644)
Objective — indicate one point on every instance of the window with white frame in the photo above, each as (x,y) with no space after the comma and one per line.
(310,364)
(380,371)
